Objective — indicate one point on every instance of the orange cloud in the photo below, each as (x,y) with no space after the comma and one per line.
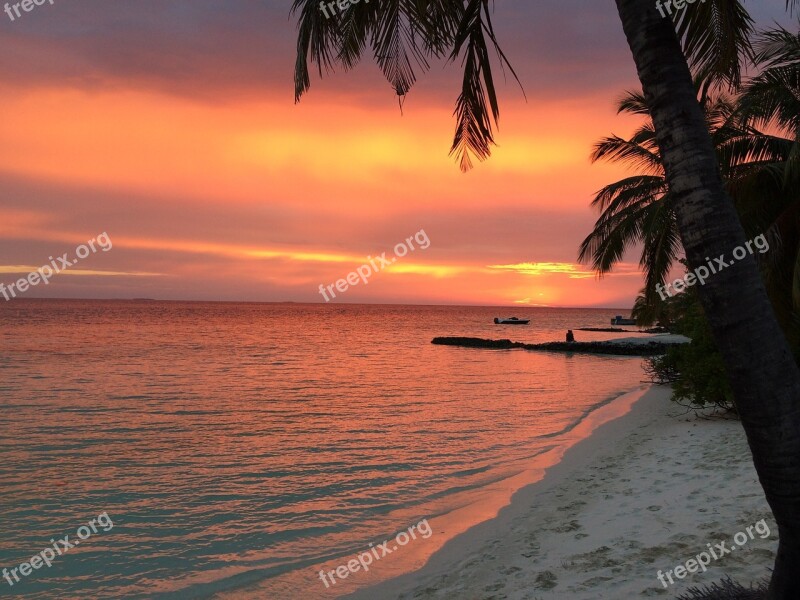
(341,177)
(24,269)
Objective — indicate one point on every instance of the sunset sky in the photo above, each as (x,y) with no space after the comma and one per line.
(171,126)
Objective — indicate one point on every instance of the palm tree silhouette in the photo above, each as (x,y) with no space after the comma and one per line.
(638,209)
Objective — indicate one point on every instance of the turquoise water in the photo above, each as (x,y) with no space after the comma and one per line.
(240,443)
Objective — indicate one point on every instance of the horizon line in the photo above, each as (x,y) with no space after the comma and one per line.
(143,300)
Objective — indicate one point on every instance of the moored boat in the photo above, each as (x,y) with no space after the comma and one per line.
(619,320)
(511,321)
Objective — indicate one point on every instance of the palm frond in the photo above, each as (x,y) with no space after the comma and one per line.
(777,48)
(474,132)
(634,188)
(356,29)
(716,39)
(613,235)
(437,21)
(394,41)
(477,107)
(316,41)
(633,103)
(748,149)
(404,36)
(629,198)
(773,96)
(661,246)
(617,149)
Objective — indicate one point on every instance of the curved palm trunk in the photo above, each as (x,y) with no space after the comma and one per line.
(762,372)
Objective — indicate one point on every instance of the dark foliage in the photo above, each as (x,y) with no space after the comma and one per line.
(726,590)
(695,370)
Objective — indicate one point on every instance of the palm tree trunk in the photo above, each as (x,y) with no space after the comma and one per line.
(762,372)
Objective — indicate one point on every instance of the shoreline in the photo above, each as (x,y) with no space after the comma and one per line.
(642,493)
(457,535)
(480,506)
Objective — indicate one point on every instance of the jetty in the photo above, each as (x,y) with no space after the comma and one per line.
(623,347)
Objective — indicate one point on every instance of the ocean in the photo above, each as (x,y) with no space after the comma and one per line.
(238,449)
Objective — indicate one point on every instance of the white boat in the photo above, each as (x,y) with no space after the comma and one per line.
(511,321)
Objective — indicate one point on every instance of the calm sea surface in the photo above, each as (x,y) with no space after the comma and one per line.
(242,444)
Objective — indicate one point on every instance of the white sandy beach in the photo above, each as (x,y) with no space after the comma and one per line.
(644,493)
(663,338)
